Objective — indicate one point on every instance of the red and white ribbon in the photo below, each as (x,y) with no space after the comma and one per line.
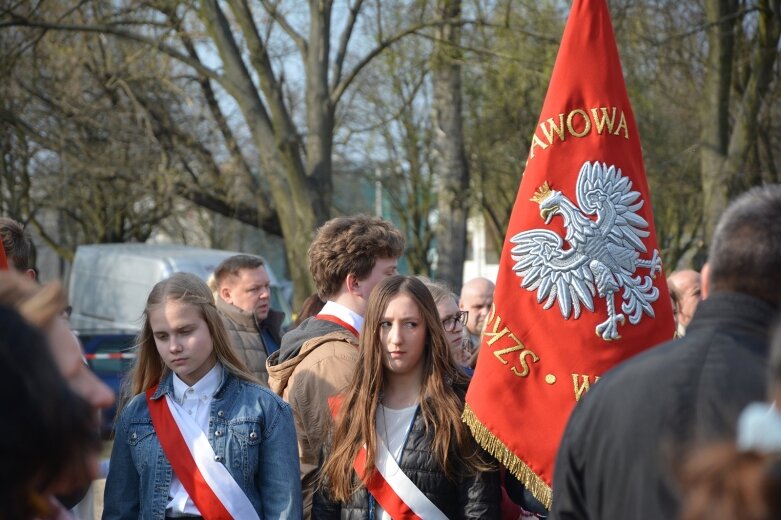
(393,490)
(111,355)
(208,482)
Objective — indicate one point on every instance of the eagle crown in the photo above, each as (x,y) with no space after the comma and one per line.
(543,192)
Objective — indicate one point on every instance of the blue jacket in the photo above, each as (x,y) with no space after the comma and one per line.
(251,431)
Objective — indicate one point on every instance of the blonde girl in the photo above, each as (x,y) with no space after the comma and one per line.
(201,438)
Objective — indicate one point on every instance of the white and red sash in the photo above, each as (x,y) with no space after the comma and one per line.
(209,484)
(393,490)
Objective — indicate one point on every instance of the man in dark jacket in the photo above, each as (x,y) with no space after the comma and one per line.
(253,326)
(628,436)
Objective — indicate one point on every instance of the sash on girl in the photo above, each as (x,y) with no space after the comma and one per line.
(388,484)
(393,490)
(209,484)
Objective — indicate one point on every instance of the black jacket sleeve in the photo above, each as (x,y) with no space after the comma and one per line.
(480,496)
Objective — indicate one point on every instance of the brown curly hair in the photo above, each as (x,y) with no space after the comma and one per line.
(350,245)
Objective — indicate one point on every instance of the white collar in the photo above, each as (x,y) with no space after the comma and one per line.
(348,316)
(205,386)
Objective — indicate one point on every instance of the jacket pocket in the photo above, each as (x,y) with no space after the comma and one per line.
(143,444)
(246,431)
(242,448)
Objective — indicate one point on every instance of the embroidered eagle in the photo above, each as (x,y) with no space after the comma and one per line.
(602,256)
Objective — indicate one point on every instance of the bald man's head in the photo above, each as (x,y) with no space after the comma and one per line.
(684,286)
(477,296)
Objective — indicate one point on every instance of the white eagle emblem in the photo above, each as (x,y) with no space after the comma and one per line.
(602,256)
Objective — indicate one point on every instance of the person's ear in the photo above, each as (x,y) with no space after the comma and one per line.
(352,284)
(30,273)
(225,293)
(705,285)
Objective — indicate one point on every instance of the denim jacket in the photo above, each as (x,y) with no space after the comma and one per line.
(251,431)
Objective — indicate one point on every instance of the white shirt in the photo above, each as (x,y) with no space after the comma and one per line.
(343,313)
(196,401)
(392,429)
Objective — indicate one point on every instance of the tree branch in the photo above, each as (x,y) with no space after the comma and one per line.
(55,245)
(339,89)
(244,213)
(19,21)
(345,40)
(278,17)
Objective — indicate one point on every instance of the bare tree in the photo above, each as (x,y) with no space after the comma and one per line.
(451,166)
(295,153)
(74,144)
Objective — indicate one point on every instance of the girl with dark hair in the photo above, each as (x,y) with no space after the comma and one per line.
(201,438)
(399,446)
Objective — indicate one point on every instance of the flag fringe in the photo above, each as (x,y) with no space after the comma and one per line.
(512,462)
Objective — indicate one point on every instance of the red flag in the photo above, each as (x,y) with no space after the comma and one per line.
(580,285)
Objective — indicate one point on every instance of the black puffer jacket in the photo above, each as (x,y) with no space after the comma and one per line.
(475,497)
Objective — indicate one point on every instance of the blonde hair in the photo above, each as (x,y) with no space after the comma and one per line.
(439,290)
(440,404)
(186,288)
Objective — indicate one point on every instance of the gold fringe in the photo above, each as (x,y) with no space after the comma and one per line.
(517,467)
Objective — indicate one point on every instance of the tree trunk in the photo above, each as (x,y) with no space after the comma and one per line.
(319,111)
(274,136)
(726,145)
(714,134)
(745,128)
(450,158)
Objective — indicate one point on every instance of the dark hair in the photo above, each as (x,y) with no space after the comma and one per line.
(722,483)
(18,245)
(350,245)
(47,430)
(233,264)
(745,255)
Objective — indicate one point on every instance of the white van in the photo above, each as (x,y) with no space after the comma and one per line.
(109,283)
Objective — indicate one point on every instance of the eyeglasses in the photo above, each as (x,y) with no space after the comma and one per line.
(450,323)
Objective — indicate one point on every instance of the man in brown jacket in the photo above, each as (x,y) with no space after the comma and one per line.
(348,257)
(244,302)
